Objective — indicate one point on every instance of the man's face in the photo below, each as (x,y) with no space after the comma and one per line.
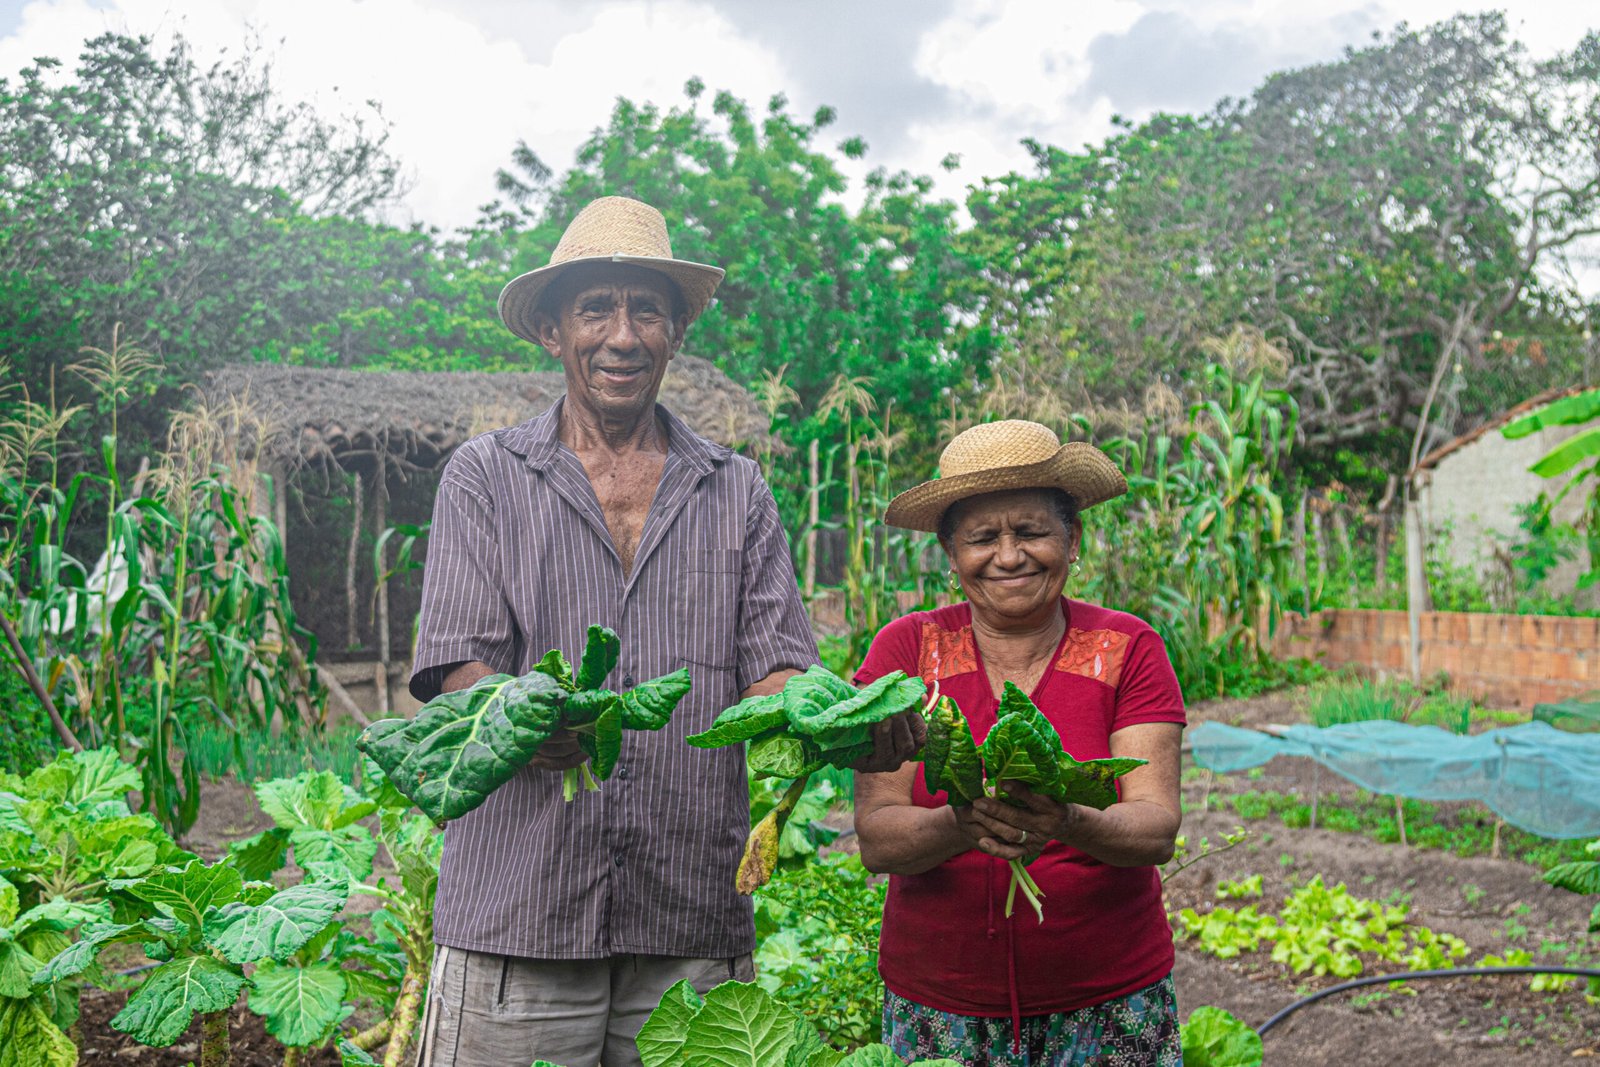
(613,329)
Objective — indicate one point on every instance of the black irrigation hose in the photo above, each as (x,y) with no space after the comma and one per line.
(1453,972)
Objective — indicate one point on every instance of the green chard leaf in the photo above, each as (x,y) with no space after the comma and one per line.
(1092,782)
(1014,751)
(745,721)
(950,757)
(604,745)
(662,1036)
(278,926)
(555,665)
(587,705)
(784,756)
(465,744)
(600,654)
(650,704)
(1014,702)
(160,1010)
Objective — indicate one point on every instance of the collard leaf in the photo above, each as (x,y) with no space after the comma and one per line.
(745,721)
(60,914)
(662,1036)
(99,775)
(351,1056)
(260,856)
(1582,876)
(873,1056)
(884,697)
(278,926)
(1581,446)
(29,1039)
(352,847)
(311,799)
(555,665)
(10,901)
(160,1010)
(650,704)
(76,957)
(465,744)
(742,1026)
(17,968)
(783,756)
(301,1005)
(186,893)
(1214,1038)
(600,654)
(1092,783)
(808,697)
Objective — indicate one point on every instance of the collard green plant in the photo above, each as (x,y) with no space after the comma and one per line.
(818,720)
(739,1024)
(1024,747)
(205,923)
(463,745)
(315,815)
(34,1020)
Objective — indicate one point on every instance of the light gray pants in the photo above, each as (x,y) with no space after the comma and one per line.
(501,1011)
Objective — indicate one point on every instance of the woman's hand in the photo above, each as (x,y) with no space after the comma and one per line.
(1011,832)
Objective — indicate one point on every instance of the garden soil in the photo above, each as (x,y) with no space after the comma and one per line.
(1491,904)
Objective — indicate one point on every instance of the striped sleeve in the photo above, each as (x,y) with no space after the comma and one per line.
(773,632)
(464,614)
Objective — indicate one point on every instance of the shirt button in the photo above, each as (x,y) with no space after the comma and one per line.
(627,681)
(622,772)
(617,859)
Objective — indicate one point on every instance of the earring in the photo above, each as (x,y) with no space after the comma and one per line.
(953,580)
(1075,568)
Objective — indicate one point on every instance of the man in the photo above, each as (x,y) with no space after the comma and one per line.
(560,925)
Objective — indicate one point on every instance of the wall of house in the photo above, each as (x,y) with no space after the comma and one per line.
(1512,661)
(1469,501)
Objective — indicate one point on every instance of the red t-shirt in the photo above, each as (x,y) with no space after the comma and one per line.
(946,943)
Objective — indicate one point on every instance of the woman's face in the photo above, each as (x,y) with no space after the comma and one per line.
(1011,551)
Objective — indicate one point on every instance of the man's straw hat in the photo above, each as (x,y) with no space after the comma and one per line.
(1013,454)
(612,229)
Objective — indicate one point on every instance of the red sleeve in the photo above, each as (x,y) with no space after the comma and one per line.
(894,649)
(1148,691)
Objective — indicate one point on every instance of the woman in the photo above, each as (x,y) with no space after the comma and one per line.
(1092,983)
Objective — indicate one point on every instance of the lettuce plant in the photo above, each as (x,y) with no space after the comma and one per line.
(1215,1038)
(818,720)
(738,1024)
(1021,747)
(204,924)
(463,745)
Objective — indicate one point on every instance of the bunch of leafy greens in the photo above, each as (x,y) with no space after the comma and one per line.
(463,745)
(1022,747)
(741,1025)
(818,720)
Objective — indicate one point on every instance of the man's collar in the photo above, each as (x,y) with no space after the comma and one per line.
(538,440)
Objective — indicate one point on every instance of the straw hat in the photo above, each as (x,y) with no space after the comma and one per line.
(1013,454)
(612,229)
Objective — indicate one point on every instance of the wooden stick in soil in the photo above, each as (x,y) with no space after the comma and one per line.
(215,1050)
(405,1018)
(63,731)
(1400,819)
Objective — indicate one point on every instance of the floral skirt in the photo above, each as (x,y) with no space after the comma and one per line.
(1137,1030)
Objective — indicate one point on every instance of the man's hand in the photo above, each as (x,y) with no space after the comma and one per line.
(560,752)
(894,740)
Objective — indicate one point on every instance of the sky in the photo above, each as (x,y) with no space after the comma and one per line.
(462,81)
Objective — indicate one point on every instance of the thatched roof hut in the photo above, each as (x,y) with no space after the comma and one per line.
(414,419)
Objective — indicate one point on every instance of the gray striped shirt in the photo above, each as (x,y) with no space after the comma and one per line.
(519,561)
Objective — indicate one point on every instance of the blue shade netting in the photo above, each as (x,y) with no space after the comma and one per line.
(1535,777)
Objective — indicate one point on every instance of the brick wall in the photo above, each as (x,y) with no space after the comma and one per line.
(1501,660)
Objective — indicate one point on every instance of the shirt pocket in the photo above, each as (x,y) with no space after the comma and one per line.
(707,612)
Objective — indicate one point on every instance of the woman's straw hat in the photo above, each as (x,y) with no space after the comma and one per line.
(1013,454)
(612,229)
